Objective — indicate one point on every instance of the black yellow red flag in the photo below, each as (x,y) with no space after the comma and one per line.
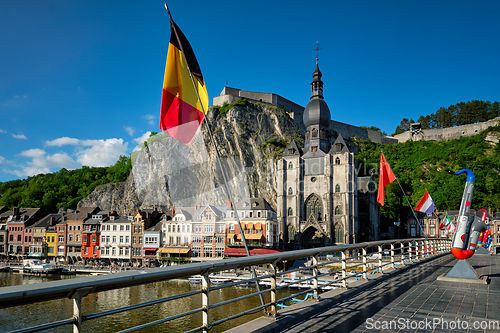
(181,111)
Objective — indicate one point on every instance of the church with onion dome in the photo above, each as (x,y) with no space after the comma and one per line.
(321,200)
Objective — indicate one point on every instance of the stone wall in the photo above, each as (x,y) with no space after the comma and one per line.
(446,133)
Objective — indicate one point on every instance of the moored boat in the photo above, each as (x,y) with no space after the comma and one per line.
(36,267)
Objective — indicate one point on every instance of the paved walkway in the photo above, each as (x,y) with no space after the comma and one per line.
(411,301)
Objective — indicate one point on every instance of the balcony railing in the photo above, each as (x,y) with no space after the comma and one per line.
(399,252)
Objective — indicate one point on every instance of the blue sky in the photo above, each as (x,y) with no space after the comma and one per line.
(81,81)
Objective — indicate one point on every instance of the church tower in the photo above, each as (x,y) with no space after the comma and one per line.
(317,188)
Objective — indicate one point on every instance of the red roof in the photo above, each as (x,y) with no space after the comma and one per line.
(240,251)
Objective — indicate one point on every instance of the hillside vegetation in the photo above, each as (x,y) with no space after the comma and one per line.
(64,188)
(421,165)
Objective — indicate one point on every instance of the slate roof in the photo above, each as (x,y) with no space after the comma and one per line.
(296,150)
(340,141)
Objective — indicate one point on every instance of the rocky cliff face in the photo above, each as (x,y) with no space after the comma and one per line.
(166,173)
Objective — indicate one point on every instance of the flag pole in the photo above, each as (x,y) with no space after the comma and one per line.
(254,273)
(407,200)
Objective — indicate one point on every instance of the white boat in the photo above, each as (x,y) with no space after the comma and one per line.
(220,280)
(195,279)
(36,267)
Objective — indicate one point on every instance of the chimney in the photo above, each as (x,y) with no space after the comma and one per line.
(173,210)
(88,215)
(52,220)
(15,211)
(228,203)
(156,209)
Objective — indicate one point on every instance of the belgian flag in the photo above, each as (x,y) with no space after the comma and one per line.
(181,111)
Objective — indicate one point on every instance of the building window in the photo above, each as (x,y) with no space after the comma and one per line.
(314,149)
(290,191)
(314,207)
(290,211)
(314,133)
(337,188)
(339,234)
(61,239)
(290,165)
(231,226)
(337,161)
(337,210)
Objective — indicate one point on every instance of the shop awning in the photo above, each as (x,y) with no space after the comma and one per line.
(240,251)
(173,250)
(258,226)
(149,248)
(250,236)
(250,225)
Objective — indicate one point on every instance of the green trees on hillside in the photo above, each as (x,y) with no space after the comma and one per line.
(62,188)
(421,165)
(462,113)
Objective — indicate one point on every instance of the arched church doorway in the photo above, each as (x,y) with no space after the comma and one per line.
(312,238)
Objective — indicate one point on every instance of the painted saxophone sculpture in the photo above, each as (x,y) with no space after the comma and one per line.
(467,230)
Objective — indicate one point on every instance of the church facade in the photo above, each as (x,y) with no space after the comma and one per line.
(321,200)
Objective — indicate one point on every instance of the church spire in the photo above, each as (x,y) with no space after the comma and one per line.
(317,84)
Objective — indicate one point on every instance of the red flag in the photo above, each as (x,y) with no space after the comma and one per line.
(386,177)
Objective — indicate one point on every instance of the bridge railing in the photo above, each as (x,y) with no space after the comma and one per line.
(351,261)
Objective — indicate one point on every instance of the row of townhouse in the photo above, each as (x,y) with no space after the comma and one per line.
(74,237)
(428,225)
(212,232)
(90,235)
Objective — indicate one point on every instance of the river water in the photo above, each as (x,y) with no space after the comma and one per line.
(44,312)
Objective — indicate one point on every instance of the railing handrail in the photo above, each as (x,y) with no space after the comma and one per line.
(31,293)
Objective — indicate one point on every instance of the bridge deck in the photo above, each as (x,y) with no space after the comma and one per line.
(403,298)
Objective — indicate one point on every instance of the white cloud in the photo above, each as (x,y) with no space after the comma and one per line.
(19,136)
(142,138)
(98,153)
(42,163)
(101,152)
(129,130)
(93,153)
(63,141)
(2,131)
(150,118)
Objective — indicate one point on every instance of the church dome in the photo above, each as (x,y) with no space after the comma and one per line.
(317,113)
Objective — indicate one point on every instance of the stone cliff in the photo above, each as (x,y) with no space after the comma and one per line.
(167,173)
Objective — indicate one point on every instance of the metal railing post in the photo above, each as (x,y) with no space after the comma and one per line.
(422,250)
(205,284)
(402,247)
(344,267)
(274,268)
(364,263)
(392,255)
(380,258)
(410,249)
(315,277)
(77,307)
